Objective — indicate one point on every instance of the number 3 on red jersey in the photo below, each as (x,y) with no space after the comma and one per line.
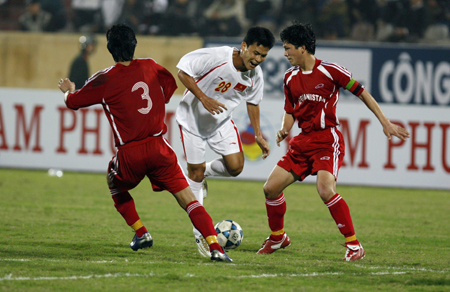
(144,95)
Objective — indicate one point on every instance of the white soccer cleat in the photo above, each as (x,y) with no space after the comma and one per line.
(354,252)
(202,245)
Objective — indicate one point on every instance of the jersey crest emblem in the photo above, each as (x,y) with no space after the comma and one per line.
(240,87)
(319,86)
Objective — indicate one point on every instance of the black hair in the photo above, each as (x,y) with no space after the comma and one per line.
(300,34)
(121,42)
(260,36)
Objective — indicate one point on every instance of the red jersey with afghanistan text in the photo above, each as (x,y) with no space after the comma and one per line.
(312,96)
(133,98)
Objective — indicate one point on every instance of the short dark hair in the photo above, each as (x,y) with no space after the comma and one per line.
(260,36)
(300,34)
(121,42)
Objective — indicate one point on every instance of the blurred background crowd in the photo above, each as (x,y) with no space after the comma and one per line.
(361,20)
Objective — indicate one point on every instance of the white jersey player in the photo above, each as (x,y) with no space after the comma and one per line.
(216,76)
(217,80)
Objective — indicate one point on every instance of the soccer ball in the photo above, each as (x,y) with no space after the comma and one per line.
(229,234)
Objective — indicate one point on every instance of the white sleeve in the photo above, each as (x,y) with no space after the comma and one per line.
(255,94)
(199,62)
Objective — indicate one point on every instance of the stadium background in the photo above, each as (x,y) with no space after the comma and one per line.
(410,81)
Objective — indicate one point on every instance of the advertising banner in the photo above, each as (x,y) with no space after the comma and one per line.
(37,131)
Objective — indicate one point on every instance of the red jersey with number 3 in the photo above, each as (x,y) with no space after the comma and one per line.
(133,98)
(312,96)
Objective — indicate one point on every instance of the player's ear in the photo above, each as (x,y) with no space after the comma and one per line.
(243,46)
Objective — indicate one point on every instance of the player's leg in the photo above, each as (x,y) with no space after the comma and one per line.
(234,163)
(194,150)
(278,180)
(326,187)
(326,163)
(195,178)
(124,204)
(202,222)
(226,142)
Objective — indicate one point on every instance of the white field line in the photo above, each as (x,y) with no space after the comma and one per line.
(403,268)
(60,261)
(385,271)
(124,275)
(116,275)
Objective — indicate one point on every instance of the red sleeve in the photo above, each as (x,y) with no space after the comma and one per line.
(341,75)
(91,93)
(288,104)
(167,81)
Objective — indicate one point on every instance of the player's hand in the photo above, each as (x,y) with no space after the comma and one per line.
(281,135)
(393,129)
(213,106)
(264,146)
(66,85)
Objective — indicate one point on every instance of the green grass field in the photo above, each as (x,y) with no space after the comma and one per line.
(64,234)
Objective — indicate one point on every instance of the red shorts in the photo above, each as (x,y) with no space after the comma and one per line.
(310,152)
(152,157)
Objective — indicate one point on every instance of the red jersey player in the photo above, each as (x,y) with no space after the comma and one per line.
(133,94)
(311,89)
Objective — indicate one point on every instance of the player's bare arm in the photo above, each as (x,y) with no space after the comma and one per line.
(389,128)
(253,114)
(210,104)
(286,126)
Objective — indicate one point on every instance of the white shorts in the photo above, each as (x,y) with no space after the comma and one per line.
(225,142)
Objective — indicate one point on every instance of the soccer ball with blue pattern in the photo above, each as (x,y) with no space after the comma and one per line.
(229,234)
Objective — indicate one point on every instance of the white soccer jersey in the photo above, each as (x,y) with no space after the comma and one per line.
(216,76)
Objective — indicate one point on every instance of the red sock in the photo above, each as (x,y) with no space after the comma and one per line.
(276,208)
(203,222)
(341,214)
(124,204)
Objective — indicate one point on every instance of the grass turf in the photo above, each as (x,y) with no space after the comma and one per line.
(65,234)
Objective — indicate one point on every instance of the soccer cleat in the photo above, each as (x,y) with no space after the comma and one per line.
(144,241)
(220,257)
(202,245)
(269,246)
(354,252)
(204,188)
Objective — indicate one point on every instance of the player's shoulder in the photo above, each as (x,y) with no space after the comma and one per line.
(333,67)
(290,72)
(291,69)
(145,60)
(102,74)
(213,52)
(219,50)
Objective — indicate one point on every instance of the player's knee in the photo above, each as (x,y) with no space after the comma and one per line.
(235,171)
(197,176)
(270,192)
(325,192)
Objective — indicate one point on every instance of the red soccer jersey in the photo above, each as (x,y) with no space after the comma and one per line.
(133,98)
(312,96)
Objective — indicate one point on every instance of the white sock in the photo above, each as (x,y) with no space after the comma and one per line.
(216,167)
(197,189)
